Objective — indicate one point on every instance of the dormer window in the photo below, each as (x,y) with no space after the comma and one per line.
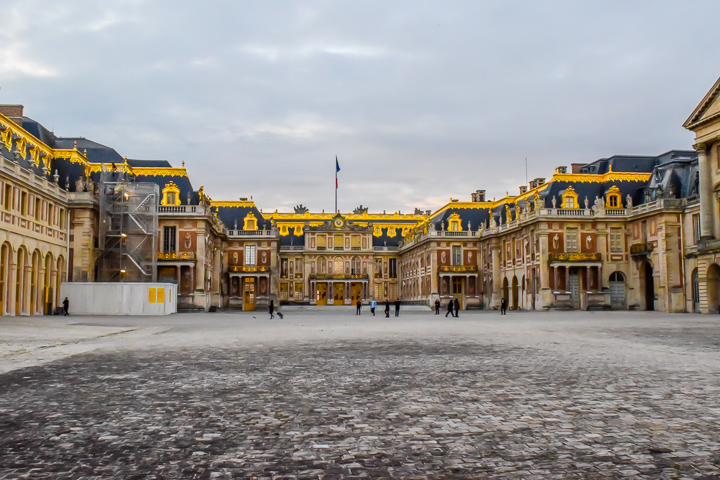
(250,222)
(612,198)
(569,198)
(454,223)
(171,194)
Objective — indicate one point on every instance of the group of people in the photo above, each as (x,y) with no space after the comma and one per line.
(453,308)
(373,306)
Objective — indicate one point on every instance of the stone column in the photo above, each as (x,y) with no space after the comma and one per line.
(588,275)
(192,279)
(179,278)
(567,278)
(706,193)
(331,292)
(600,277)
(556,279)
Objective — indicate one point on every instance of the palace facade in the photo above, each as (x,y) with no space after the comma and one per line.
(623,232)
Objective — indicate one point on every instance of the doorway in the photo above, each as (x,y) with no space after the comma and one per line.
(249,294)
(695,282)
(713,288)
(515,293)
(457,290)
(356,292)
(617,291)
(338,293)
(321,294)
(647,283)
(574,288)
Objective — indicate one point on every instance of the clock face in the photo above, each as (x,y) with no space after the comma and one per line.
(338,222)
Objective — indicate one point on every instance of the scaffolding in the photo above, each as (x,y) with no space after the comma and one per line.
(128,228)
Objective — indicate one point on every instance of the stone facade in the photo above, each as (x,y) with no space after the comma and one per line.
(624,232)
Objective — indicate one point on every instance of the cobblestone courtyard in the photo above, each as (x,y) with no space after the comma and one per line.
(325,394)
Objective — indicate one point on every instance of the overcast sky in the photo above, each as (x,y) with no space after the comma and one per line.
(421,101)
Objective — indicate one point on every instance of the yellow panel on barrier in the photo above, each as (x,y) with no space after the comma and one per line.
(152,295)
(160,295)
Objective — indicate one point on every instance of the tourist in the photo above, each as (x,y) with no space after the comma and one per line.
(373,306)
(397,307)
(450,309)
(359,306)
(437,307)
(66,306)
(387,308)
(503,306)
(456,306)
(271,309)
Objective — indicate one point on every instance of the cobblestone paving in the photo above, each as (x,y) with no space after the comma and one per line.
(444,408)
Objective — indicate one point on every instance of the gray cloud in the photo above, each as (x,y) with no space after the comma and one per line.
(420,100)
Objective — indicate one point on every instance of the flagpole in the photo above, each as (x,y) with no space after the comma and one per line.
(336,185)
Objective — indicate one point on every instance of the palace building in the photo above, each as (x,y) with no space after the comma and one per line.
(623,232)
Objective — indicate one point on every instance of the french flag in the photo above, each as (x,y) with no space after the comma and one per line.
(337,169)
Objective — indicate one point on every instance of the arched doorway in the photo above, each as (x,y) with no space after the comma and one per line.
(49,290)
(35,283)
(617,291)
(21,281)
(523,288)
(695,285)
(647,285)
(506,290)
(60,270)
(4,280)
(514,293)
(713,288)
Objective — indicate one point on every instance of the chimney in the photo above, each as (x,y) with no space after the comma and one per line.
(561,170)
(13,112)
(536,182)
(478,196)
(576,167)
(523,189)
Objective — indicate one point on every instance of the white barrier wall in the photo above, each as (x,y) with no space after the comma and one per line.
(88,298)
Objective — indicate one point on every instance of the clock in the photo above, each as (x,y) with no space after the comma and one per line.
(339,222)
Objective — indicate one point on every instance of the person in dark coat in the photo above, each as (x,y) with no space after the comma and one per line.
(437,307)
(450,307)
(271,309)
(503,306)
(456,306)
(358,307)
(397,307)
(66,306)
(387,308)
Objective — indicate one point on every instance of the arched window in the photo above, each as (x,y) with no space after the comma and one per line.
(355,266)
(171,194)
(454,223)
(250,222)
(612,198)
(617,277)
(569,198)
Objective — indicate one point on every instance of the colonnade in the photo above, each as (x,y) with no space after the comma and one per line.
(29,282)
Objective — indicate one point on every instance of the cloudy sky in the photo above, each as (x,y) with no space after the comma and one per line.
(420,100)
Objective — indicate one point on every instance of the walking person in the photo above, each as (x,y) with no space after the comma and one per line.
(387,308)
(456,306)
(271,309)
(503,306)
(66,307)
(358,307)
(397,307)
(373,306)
(437,307)
(450,307)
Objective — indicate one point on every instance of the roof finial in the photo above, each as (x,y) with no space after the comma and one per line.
(75,145)
(610,168)
(183,164)
(126,160)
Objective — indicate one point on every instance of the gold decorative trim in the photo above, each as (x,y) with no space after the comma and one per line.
(610,176)
(574,257)
(158,171)
(458,268)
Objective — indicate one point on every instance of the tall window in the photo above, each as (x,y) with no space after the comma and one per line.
(284,268)
(696,228)
(456,255)
(378,267)
(169,239)
(250,255)
(321,242)
(8,197)
(571,240)
(616,240)
(23,203)
(392,267)
(355,270)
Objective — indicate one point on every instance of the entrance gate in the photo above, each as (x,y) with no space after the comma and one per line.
(617,291)
(356,292)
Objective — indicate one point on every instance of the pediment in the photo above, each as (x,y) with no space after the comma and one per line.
(707,110)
